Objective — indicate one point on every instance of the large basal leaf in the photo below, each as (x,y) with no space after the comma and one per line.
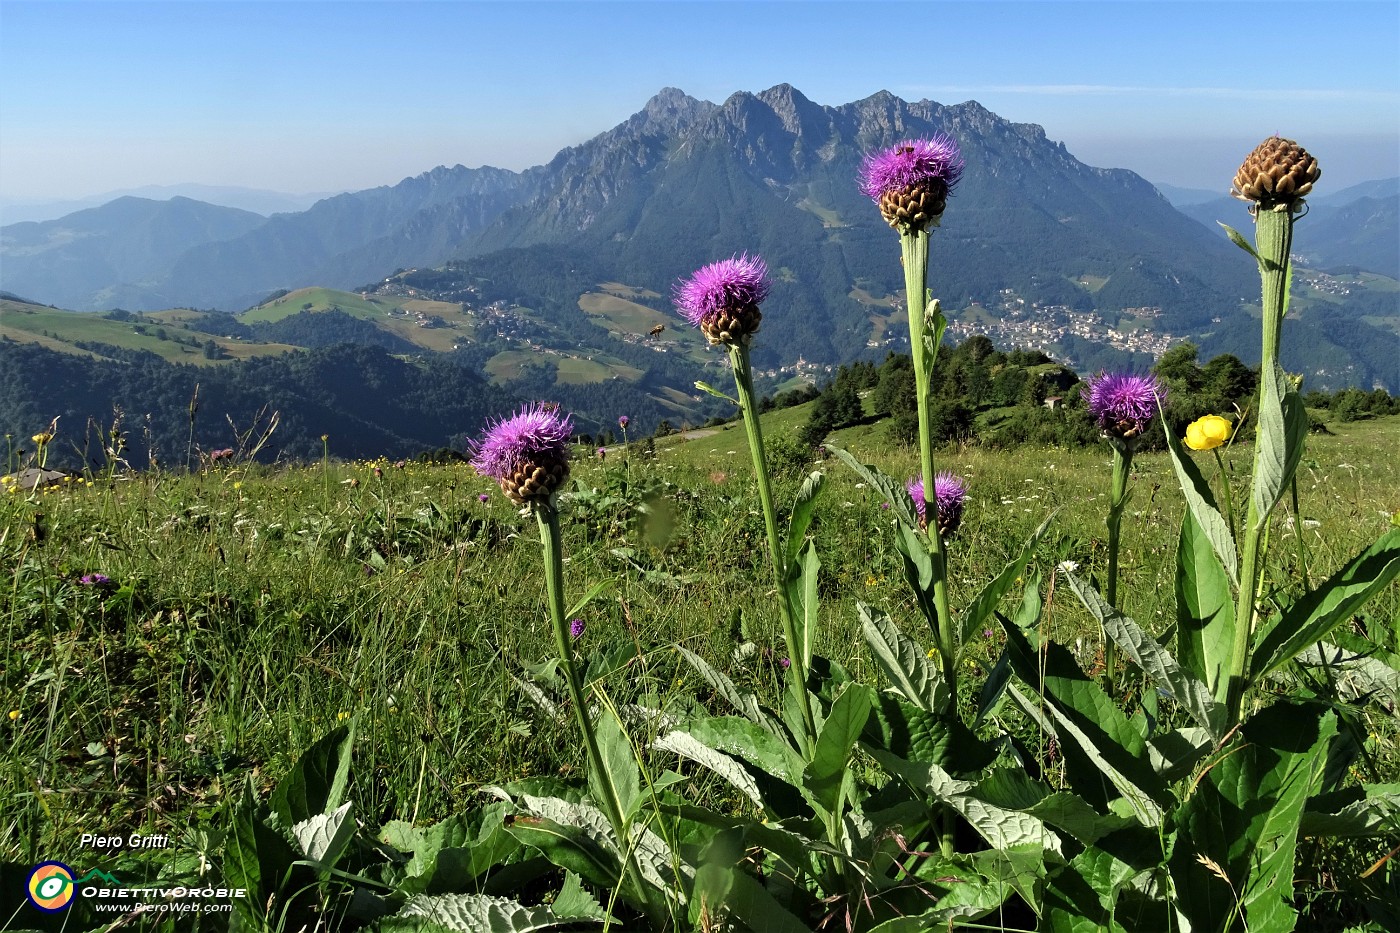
(1357,674)
(1201,501)
(1001,827)
(1244,818)
(256,858)
(1368,810)
(317,782)
(1144,651)
(905,730)
(1317,613)
(1081,897)
(918,571)
(903,661)
(1205,611)
(980,612)
(836,741)
(749,741)
(1283,429)
(1013,789)
(688,746)
(474,913)
(1093,733)
(751,904)
(323,837)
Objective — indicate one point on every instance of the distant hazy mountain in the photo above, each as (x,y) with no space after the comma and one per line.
(115,254)
(684,181)
(1355,228)
(257,200)
(1183,197)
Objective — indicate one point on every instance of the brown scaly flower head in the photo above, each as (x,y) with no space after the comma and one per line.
(1276,176)
(722,299)
(911,181)
(527,453)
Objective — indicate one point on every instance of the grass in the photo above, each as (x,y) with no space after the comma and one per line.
(252,609)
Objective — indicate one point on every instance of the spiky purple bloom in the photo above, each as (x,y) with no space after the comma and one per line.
(1122,404)
(483,498)
(623,421)
(949,493)
(915,161)
(95,579)
(728,285)
(537,431)
(576,628)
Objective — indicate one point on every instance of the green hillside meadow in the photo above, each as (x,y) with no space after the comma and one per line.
(245,611)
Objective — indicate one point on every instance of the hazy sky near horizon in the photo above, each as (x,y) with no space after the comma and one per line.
(331,96)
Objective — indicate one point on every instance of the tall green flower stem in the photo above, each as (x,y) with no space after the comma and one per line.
(925,332)
(551,540)
(1117,499)
(797,659)
(1273,236)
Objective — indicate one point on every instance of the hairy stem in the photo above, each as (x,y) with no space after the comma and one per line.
(1117,499)
(551,540)
(1273,235)
(797,659)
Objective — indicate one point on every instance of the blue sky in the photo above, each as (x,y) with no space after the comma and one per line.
(298,97)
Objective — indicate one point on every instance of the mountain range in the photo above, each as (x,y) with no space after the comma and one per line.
(1032,236)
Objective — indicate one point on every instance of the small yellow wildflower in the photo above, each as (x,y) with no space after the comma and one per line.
(14,714)
(341,716)
(238,484)
(1208,432)
(42,438)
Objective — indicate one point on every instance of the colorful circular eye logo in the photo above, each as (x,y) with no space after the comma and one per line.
(50,886)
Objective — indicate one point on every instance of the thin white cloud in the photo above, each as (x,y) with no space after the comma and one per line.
(1111,90)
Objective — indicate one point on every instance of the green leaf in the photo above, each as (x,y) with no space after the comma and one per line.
(1000,826)
(619,778)
(1201,502)
(1279,440)
(707,388)
(1093,733)
(744,703)
(802,511)
(751,904)
(575,903)
(893,491)
(323,837)
(317,782)
(256,857)
(1205,613)
(1081,896)
(598,589)
(1317,613)
(801,592)
(918,571)
(1245,816)
(905,730)
(1368,810)
(980,612)
(844,724)
(570,847)
(1237,239)
(1357,675)
(903,661)
(474,913)
(1155,661)
(688,746)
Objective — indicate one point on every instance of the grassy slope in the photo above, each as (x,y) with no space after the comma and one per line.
(61,330)
(255,609)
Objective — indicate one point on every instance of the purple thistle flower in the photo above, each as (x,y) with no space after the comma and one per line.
(95,579)
(733,286)
(576,628)
(949,493)
(623,421)
(932,162)
(537,430)
(785,663)
(483,498)
(1122,404)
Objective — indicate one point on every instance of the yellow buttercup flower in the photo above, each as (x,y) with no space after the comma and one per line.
(42,438)
(1208,432)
